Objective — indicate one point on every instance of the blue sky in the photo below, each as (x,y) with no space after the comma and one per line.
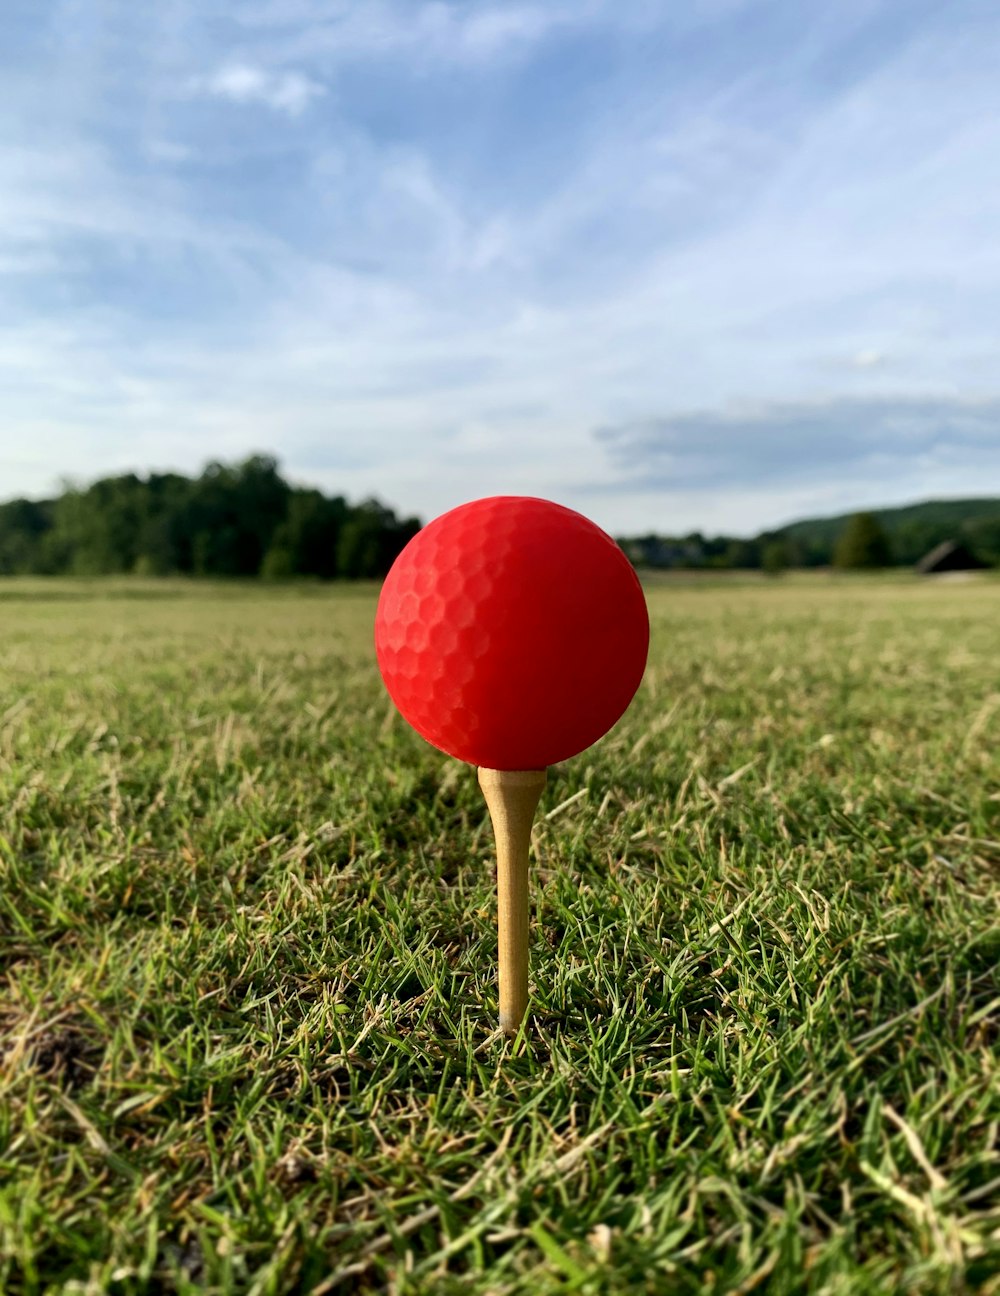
(709,264)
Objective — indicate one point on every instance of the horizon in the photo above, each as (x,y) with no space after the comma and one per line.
(681,271)
(296,484)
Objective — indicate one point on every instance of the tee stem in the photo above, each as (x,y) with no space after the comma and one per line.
(512,798)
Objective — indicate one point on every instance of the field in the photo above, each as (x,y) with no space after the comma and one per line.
(247,935)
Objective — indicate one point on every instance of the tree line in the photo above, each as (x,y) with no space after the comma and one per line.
(242,519)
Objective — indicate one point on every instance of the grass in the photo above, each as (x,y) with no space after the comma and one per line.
(247,935)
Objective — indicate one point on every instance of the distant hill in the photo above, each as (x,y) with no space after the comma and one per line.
(935,513)
(912,531)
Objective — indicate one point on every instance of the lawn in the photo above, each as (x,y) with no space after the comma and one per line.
(247,933)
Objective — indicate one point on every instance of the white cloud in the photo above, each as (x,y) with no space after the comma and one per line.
(245,83)
(868,358)
(495,28)
(431,31)
(169,152)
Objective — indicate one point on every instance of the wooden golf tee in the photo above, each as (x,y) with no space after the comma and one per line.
(512,798)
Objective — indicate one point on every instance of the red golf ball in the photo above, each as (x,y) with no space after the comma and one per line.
(512,632)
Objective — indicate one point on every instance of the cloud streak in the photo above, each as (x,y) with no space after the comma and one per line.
(243,83)
(881,438)
(431,32)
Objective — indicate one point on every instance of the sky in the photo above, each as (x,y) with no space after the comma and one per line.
(716,264)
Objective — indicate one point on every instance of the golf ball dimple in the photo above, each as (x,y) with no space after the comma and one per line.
(512,632)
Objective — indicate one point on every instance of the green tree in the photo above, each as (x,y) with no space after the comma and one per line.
(743,554)
(370,540)
(306,542)
(774,557)
(913,538)
(862,544)
(232,516)
(23,527)
(983,535)
(278,563)
(162,546)
(97,527)
(233,520)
